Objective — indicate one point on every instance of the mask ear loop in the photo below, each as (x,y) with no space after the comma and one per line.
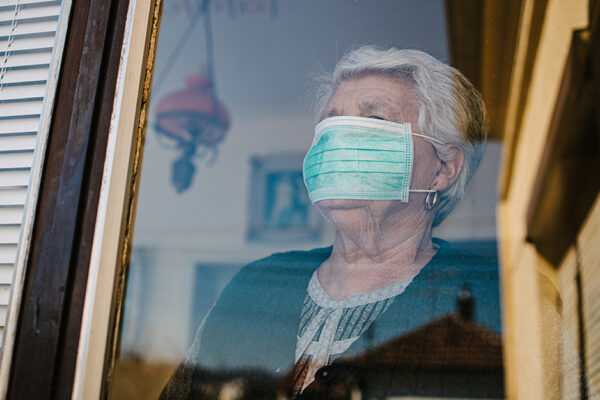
(429,202)
(429,138)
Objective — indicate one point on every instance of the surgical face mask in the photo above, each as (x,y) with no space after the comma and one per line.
(360,158)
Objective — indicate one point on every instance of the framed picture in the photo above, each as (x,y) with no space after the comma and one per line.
(279,207)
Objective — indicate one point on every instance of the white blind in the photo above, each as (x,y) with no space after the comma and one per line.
(27,37)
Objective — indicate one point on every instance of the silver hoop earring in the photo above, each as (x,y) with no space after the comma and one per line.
(429,202)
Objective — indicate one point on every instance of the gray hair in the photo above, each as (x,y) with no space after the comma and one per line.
(450,109)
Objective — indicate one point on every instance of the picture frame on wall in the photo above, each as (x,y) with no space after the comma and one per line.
(280,210)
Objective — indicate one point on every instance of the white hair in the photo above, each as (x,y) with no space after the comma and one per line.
(450,109)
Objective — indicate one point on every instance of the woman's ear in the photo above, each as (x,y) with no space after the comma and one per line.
(449,169)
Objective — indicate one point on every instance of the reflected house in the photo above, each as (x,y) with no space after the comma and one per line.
(236,385)
(449,357)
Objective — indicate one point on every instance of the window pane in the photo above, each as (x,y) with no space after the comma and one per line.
(391,313)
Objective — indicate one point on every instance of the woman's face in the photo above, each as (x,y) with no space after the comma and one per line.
(380,97)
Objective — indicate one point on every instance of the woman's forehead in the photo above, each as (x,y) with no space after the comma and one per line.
(371,95)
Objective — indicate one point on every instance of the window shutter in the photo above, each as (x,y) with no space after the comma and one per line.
(27,38)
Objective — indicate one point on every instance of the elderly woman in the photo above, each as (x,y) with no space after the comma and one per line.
(399,137)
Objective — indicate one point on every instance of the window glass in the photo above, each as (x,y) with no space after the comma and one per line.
(222,296)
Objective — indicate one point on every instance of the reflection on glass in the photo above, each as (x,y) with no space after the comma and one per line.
(301,262)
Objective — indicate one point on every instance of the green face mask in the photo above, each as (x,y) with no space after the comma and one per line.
(360,158)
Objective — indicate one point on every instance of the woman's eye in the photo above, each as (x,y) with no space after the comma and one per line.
(376,117)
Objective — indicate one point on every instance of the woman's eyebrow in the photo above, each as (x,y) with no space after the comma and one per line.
(373,106)
(334,112)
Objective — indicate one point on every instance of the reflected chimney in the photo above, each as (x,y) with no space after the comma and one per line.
(465,303)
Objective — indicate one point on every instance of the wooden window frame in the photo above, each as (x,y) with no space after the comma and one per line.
(565,187)
(33,192)
(65,338)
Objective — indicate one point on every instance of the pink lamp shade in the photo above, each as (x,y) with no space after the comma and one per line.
(195,120)
(193,115)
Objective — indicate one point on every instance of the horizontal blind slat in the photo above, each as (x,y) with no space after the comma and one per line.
(23,29)
(20,142)
(16,160)
(19,92)
(23,108)
(20,44)
(29,3)
(11,215)
(4,294)
(3,312)
(13,195)
(9,234)
(6,272)
(26,60)
(8,253)
(26,13)
(13,127)
(25,75)
(14,178)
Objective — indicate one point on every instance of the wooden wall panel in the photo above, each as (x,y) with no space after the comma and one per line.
(589,258)
(569,381)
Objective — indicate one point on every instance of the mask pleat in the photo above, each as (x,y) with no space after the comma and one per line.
(362,161)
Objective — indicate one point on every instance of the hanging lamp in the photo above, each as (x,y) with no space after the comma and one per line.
(193,118)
